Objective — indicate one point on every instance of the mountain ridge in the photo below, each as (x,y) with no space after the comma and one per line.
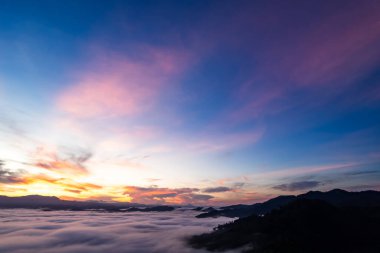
(48,203)
(303,225)
(336,197)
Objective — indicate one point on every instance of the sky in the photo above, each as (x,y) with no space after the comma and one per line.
(188,102)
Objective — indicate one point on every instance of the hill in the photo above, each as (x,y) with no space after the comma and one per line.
(48,203)
(335,197)
(304,225)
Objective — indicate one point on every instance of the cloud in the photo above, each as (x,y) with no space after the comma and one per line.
(238,185)
(10,177)
(11,126)
(122,85)
(217,189)
(165,195)
(318,56)
(308,170)
(192,198)
(364,187)
(65,163)
(297,186)
(160,195)
(22,181)
(63,232)
(357,173)
(224,141)
(62,166)
(153,180)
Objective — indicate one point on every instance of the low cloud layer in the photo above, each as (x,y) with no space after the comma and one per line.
(297,186)
(27,231)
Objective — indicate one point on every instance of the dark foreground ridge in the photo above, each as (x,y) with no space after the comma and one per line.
(335,197)
(334,221)
(304,225)
(53,203)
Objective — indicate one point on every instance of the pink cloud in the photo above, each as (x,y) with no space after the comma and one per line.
(337,46)
(157,195)
(319,60)
(252,108)
(307,170)
(224,142)
(119,86)
(340,48)
(375,155)
(71,162)
(208,142)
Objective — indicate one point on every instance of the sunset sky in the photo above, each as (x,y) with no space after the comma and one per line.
(178,102)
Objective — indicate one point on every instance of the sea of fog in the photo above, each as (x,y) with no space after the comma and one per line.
(31,231)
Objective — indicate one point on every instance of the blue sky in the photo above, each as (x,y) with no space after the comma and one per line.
(138,100)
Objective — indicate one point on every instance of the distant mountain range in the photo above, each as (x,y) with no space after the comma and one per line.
(53,203)
(335,197)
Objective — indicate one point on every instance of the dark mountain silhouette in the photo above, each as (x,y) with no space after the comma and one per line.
(33,200)
(246,210)
(344,198)
(47,203)
(304,225)
(335,197)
